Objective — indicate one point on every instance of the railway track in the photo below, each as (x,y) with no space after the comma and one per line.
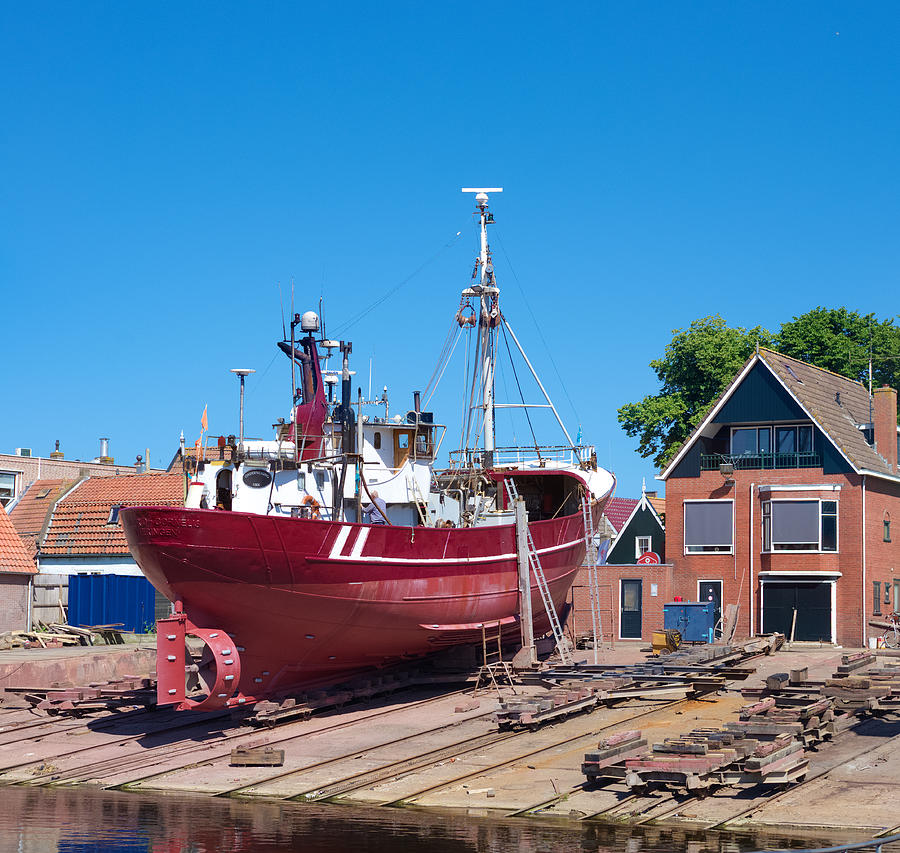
(641,809)
(191,752)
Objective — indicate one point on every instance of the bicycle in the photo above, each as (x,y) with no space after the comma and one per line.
(891,637)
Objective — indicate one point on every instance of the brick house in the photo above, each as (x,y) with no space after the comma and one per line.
(17,571)
(631,594)
(782,499)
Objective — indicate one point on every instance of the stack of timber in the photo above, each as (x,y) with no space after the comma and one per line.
(130,691)
(583,687)
(697,762)
(808,716)
(611,751)
(53,636)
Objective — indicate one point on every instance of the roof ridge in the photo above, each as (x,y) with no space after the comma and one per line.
(814,367)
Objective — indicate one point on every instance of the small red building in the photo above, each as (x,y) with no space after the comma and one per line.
(782,501)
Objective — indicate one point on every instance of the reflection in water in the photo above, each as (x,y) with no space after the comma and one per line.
(85,821)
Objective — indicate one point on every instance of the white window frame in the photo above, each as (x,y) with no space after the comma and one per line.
(15,485)
(648,540)
(685,546)
(818,550)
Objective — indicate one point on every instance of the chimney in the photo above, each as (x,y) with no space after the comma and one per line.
(886,424)
(104,452)
(56,454)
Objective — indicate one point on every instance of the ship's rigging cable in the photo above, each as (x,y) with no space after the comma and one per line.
(519,386)
(446,365)
(537,325)
(347,324)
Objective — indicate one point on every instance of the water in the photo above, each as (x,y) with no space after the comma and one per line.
(81,820)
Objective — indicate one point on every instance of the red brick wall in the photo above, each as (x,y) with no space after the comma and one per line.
(853,600)
(14,591)
(579,621)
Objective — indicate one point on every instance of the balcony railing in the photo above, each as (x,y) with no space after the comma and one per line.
(765,461)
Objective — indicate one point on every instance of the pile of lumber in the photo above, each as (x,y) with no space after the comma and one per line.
(129,691)
(582,687)
(53,636)
(806,715)
(857,687)
(698,761)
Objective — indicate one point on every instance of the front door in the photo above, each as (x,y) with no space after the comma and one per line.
(711,592)
(631,611)
(809,600)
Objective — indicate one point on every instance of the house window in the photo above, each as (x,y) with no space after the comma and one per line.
(807,525)
(7,486)
(114,514)
(749,441)
(708,527)
(793,439)
(876,598)
(642,544)
(887,529)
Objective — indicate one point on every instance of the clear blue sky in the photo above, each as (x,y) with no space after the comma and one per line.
(165,166)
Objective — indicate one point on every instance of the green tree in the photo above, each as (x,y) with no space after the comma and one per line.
(698,364)
(839,340)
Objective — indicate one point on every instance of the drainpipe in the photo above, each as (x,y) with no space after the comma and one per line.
(863,602)
(752,587)
(29,618)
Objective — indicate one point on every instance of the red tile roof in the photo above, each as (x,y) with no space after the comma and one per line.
(13,556)
(79,524)
(618,510)
(32,510)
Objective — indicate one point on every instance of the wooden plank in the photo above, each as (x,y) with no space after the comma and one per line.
(264,756)
(777,680)
(798,676)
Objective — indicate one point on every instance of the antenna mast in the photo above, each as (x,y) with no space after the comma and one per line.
(489,318)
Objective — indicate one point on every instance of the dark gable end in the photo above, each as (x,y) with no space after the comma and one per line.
(760,398)
(644,522)
(781,389)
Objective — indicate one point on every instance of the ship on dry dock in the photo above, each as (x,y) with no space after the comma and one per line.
(339,545)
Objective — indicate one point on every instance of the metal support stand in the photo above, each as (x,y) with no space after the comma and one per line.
(526,617)
(593,576)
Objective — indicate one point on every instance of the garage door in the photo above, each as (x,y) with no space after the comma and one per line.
(812,601)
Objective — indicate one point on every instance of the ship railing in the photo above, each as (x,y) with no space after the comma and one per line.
(534,456)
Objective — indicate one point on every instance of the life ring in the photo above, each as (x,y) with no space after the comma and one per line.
(314,505)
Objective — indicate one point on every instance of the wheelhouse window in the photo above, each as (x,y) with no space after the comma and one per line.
(803,525)
(708,527)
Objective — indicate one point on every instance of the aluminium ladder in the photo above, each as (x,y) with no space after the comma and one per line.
(590,553)
(534,563)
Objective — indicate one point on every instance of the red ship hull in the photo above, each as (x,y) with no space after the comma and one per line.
(303,599)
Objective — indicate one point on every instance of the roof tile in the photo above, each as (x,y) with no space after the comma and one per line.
(80,520)
(13,555)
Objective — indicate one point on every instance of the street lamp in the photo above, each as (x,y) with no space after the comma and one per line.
(243,372)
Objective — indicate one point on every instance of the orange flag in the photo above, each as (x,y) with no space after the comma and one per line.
(204,424)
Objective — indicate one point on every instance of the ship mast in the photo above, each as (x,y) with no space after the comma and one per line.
(489,316)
